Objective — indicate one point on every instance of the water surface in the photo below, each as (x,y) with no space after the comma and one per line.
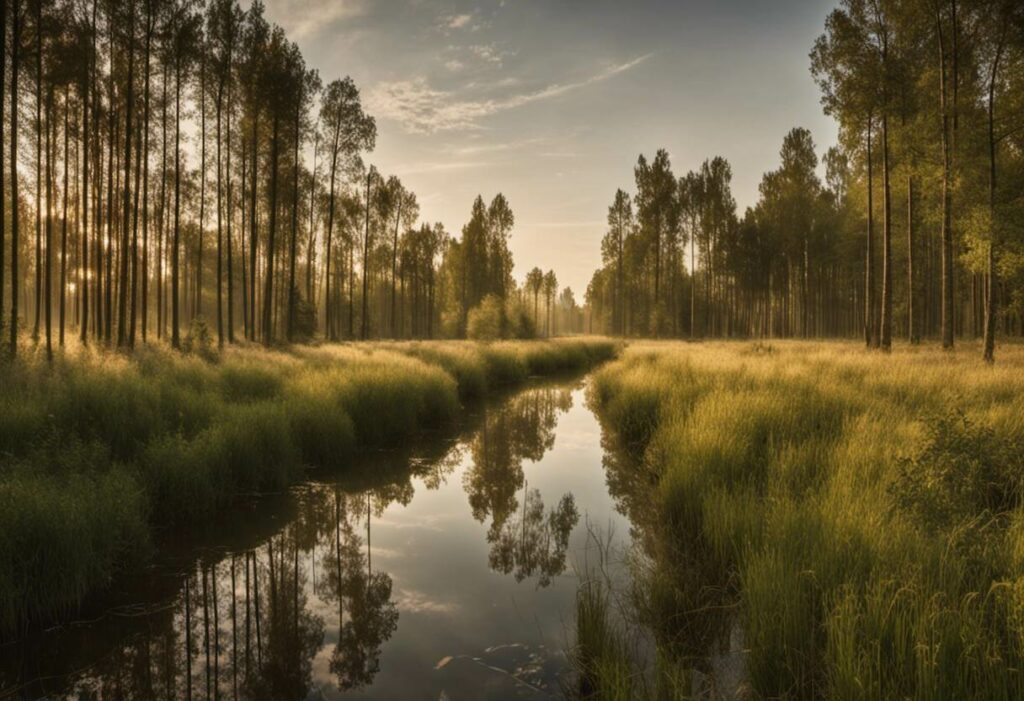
(446,571)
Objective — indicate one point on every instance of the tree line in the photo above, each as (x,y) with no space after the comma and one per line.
(915,231)
(176,170)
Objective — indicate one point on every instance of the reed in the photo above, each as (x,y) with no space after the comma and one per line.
(860,512)
(100,453)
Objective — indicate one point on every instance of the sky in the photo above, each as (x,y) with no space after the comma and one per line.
(551,101)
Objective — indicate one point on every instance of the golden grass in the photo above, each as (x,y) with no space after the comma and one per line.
(862,509)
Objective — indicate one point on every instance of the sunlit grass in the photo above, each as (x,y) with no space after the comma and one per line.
(100,451)
(862,511)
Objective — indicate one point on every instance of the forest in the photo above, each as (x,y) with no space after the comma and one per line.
(914,232)
(177,172)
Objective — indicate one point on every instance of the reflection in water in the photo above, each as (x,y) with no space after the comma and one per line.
(351,583)
(534,545)
(699,633)
(523,541)
(254,616)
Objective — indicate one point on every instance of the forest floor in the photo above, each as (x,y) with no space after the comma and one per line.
(850,521)
(100,452)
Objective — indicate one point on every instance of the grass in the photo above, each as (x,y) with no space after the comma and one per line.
(101,453)
(859,515)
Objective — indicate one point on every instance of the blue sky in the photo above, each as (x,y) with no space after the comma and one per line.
(551,101)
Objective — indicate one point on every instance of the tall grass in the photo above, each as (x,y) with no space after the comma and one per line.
(861,513)
(99,452)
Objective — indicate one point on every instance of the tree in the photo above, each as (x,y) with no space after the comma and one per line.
(657,217)
(16,22)
(500,221)
(620,224)
(185,25)
(223,26)
(847,70)
(346,131)
(534,283)
(550,290)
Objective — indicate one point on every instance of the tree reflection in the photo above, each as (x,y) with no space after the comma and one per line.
(524,541)
(532,544)
(367,617)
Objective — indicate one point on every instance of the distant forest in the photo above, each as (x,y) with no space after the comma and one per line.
(916,232)
(156,180)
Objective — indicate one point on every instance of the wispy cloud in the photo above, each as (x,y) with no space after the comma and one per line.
(488,53)
(458,21)
(423,167)
(494,147)
(304,18)
(422,109)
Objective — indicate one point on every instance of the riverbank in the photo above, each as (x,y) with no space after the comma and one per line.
(101,453)
(853,518)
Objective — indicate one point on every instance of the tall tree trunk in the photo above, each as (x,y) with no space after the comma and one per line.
(83,278)
(3,216)
(220,233)
(48,298)
(947,195)
(268,296)
(992,299)
(15,60)
(394,262)
(869,259)
(64,220)
(176,243)
(365,326)
(108,284)
(202,180)
(39,167)
(912,330)
(145,176)
(254,237)
(329,326)
(122,298)
(292,290)
(885,331)
(351,288)
(227,171)
(311,243)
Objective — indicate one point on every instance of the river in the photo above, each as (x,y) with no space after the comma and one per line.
(444,570)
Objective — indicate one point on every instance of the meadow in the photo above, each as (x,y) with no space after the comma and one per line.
(853,518)
(102,455)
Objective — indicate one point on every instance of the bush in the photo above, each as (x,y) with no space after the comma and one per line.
(961,471)
(486,320)
(199,341)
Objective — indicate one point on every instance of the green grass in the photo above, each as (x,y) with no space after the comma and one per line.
(861,514)
(100,453)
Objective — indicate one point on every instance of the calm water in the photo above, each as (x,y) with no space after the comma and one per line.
(444,572)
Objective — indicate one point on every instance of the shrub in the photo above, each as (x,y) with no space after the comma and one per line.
(199,340)
(962,470)
(486,320)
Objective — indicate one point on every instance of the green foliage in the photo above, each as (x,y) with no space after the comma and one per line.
(97,452)
(961,472)
(199,340)
(486,320)
(770,486)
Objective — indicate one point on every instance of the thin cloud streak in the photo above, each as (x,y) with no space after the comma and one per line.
(302,19)
(421,109)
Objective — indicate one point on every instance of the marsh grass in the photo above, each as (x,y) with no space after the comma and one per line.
(862,510)
(100,453)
